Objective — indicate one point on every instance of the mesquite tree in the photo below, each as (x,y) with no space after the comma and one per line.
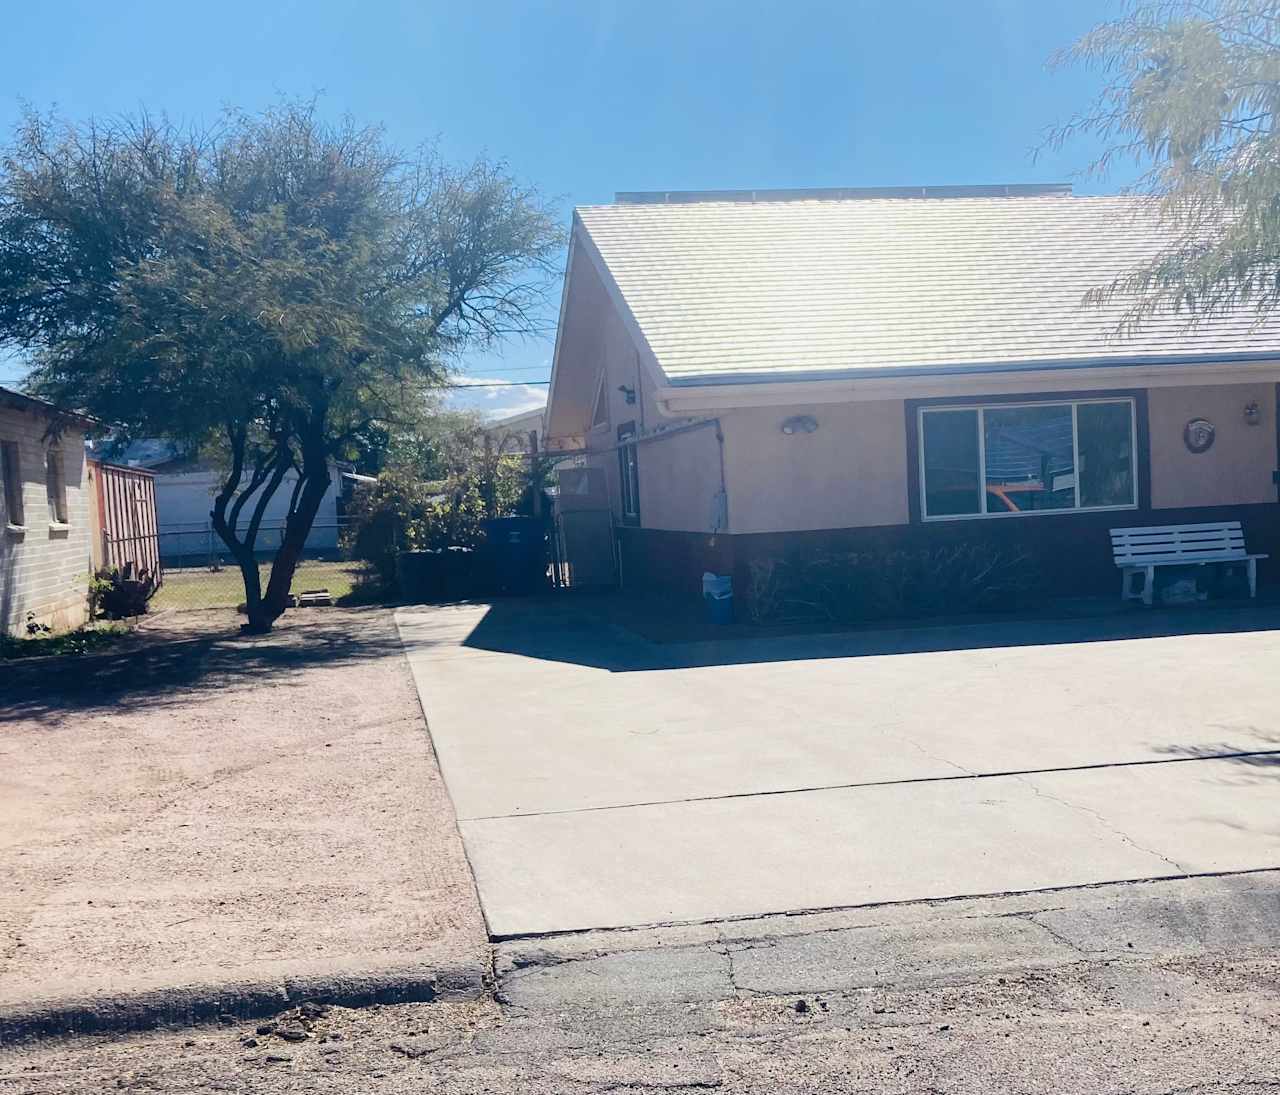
(1191,95)
(269,290)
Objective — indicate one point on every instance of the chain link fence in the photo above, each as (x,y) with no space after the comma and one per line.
(197,571)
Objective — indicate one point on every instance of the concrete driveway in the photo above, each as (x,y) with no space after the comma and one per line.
(604,781)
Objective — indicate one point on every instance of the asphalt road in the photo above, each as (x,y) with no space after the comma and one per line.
(1147,989)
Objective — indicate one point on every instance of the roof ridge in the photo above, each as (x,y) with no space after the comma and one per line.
(842,193)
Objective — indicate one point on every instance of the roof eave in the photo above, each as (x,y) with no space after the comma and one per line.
(690,394)
(50,410)
(763,376)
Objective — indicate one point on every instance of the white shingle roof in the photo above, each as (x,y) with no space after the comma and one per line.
(750,290)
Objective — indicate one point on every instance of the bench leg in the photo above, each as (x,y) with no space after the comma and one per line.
(1253,577)
(1127,590)
(1149,586)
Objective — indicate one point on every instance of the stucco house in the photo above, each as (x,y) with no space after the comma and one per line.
(760,374)
(44,515)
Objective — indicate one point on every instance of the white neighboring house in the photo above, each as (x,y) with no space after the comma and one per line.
(44,515)
(184,497)
(518,433)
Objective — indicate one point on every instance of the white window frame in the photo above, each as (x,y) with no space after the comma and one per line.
(11,483)
(984,514)
(596,401)
(55,482)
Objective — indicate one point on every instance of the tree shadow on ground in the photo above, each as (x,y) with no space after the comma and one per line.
(177,671)
(1252,762)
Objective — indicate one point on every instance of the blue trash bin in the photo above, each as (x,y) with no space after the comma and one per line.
(717,591)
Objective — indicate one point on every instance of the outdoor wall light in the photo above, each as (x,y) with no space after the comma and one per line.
(629,394)
(1252,413)
(799,423)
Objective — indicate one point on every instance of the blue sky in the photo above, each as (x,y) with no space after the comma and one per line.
(584,99)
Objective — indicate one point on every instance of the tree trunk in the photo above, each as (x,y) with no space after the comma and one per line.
(225,525)
(315,482)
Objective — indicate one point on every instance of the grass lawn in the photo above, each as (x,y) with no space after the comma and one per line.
(199,587)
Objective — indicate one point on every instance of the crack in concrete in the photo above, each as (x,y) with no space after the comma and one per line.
(967,772)
(730,970)
(1103,821)
(1031,917)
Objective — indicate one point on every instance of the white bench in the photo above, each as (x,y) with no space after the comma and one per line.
(1141,550)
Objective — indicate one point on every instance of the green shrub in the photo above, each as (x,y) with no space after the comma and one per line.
(42,642)
(404,512)
(847,587)
(118,593)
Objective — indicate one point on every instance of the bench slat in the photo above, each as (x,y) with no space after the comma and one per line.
(1167,560)
(1231,526)
(1186,538)
(1174,545)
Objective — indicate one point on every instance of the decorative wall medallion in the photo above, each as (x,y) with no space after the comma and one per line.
(1198,435)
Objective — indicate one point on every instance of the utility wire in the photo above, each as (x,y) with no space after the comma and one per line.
(503,384)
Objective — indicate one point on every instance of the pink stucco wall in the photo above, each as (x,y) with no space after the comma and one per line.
(679,475)
(679,481)
(1236,470)
(851,472)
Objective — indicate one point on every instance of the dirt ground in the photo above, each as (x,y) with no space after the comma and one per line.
(228,817)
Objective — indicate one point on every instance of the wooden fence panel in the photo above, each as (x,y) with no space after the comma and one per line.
(127,516)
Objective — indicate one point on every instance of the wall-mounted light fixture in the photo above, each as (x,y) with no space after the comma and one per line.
(1252,413)
(799,423)
(629,394)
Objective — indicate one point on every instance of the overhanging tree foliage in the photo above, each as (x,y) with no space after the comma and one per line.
(273,288)
(1191,96)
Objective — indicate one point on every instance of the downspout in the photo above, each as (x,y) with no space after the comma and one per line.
(724,485)
(640,389)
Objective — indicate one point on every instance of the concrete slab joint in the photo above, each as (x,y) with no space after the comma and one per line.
(613,782)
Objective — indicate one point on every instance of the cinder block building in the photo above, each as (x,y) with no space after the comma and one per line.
(44,515)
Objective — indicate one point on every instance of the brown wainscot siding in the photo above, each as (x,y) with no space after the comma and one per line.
(1071,551)
(673,562)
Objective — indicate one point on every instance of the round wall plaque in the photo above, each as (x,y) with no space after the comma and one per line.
(1198,435)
